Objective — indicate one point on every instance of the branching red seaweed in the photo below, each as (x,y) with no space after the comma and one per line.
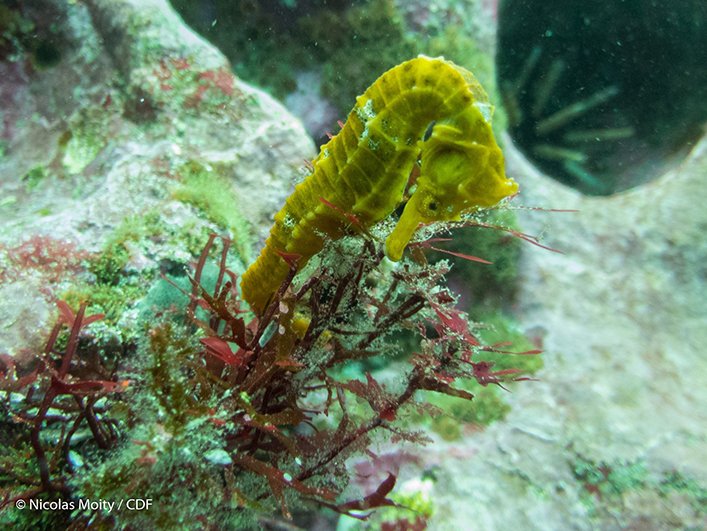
(285,365)
(275,390)
(59,382)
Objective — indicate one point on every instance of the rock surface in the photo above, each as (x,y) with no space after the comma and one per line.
(617,414)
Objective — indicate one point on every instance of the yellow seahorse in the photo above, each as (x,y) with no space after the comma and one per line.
(364,169)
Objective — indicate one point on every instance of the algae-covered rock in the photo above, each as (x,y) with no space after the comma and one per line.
(321,55)
(121,156)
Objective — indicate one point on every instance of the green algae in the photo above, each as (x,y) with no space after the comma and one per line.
(608,488)
(487,407)
(415,506)
(696,492)
(500,328)
(208,189)
(85,137)
(34,177)
(114,288)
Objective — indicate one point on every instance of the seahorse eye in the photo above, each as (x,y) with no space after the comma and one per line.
(431,207)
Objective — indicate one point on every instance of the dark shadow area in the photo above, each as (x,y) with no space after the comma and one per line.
(604,96)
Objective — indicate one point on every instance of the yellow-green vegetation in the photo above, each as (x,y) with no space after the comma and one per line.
(86,136)
(111,300)
(499,328)
(151,226)
(169,347)
(208,189)
(34,176)
(487,407)
(109,294)
(110,263)
(115,289)
(415,507)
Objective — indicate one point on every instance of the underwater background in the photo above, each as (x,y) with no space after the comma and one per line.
(145,147)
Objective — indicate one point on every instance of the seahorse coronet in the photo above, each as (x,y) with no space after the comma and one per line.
(362,172)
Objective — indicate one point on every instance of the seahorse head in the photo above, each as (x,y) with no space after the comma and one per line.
(455,177)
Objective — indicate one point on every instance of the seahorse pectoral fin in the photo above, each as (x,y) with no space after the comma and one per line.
(404,230)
